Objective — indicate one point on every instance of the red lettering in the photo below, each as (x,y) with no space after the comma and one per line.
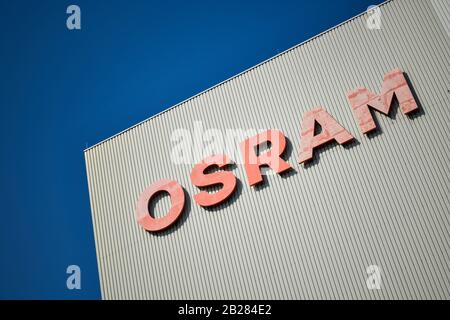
(176,193)
(225,178)
(394,84)
(271,158)
(331,130)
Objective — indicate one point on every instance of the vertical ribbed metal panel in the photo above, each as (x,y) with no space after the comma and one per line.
(383,200)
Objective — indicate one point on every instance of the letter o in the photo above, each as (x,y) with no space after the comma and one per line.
(177,200)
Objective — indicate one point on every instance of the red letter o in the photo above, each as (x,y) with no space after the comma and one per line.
(144,217)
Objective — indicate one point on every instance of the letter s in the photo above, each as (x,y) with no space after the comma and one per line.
(200,179)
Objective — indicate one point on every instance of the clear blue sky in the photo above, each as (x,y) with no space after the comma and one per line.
(64,90)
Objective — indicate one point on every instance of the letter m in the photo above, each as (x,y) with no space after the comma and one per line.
(361,99)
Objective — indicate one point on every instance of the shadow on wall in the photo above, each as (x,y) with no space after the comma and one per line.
(237,192)
(420,111)
(324,148)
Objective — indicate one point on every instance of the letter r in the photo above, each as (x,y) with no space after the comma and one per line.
(271,158)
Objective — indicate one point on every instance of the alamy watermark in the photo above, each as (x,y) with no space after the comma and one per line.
(373,21)
(74,279)
(73,21)
(191,146)
(373,281)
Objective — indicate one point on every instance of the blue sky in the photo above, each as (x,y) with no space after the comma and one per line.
(62,91)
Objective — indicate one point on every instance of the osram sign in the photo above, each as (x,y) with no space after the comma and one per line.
(361,101)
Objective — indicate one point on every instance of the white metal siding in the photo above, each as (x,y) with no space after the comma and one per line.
(383,200)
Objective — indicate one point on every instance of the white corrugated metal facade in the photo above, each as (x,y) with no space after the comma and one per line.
(383,200)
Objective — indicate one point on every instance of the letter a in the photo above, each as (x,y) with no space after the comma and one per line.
(74,20)
(331,130)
